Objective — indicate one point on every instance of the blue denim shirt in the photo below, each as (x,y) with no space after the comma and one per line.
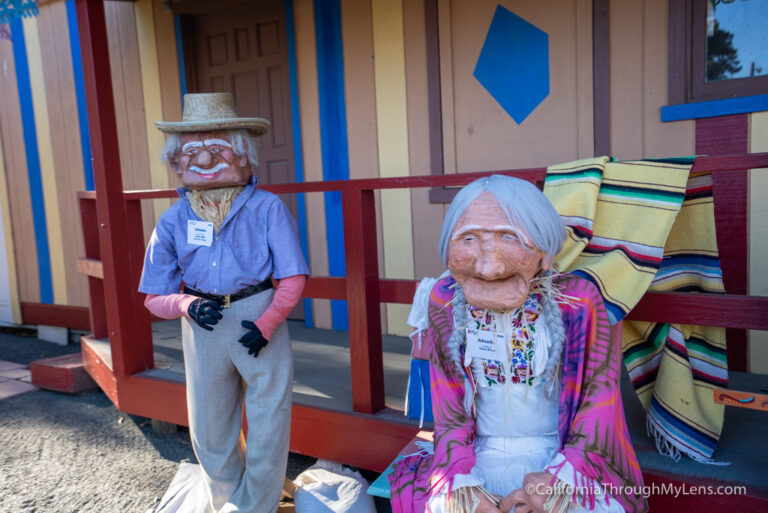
(258,239)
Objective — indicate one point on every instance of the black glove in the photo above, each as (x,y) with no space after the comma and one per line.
(205,312)
(253,340)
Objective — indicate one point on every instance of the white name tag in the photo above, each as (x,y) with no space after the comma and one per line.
(199,233)
(487,345)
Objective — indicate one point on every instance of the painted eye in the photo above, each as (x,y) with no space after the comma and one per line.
(215,149)
(510,237)
(192,152)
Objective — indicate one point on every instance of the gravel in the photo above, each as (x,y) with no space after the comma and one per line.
(62,453)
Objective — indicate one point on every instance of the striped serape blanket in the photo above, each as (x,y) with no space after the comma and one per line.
(640,226)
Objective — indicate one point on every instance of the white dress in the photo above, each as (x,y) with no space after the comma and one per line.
(516,423)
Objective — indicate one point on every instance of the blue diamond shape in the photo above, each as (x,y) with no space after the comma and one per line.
(514,64)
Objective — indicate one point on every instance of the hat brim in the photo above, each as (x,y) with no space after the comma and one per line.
(257,126)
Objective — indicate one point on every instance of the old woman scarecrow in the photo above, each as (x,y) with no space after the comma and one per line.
(524,376)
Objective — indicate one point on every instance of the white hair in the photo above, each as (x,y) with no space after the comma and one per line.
(525,206)
(243,145)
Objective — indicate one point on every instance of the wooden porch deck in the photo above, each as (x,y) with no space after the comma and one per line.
(322,379)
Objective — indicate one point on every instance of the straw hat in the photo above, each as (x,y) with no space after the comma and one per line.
(212,111)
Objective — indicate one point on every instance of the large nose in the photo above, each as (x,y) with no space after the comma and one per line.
(489,264)
(204,158)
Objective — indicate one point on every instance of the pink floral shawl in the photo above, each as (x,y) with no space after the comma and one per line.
(593,433)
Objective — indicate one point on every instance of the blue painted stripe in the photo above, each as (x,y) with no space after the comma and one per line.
(333,136)
(714,108)
(33,160)
(298,153)
(180,57)
(82,104)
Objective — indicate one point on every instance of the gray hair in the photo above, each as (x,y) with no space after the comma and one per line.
(243,144)
(525,206)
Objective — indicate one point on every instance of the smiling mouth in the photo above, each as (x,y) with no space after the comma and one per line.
(209,173)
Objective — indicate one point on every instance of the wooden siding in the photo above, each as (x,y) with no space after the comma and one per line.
(54,104)
(67,156)
(387,116)
(477,132)
(638,35)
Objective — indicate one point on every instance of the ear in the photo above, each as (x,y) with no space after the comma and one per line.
(243,161)
(175,167)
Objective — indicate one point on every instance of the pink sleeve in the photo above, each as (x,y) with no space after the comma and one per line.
(286,296)
(170,306)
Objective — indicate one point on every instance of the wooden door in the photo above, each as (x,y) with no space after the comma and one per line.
(242,49)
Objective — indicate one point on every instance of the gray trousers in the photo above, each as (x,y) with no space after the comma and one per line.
(220,373)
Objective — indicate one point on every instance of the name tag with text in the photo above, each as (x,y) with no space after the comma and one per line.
(199,233)
(487,345)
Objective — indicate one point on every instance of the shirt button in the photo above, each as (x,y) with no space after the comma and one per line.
(215,290)
(213,264)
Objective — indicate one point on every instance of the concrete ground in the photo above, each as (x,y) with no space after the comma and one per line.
(66,453)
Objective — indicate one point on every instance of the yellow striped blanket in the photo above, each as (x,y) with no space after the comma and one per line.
(647,225)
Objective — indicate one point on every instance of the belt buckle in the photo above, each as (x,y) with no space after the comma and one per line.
(227,301)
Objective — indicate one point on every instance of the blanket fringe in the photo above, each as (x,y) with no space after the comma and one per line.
(669,448)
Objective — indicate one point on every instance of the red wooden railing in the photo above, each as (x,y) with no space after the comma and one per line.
(130,332)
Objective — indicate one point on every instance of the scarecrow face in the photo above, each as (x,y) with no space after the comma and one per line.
(492,259)
(207,161)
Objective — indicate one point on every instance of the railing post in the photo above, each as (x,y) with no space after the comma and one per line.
(142,344)
(129,354)
(95,285)
(361,253)
(731,198)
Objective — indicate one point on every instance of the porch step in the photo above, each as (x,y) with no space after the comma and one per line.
(62,374)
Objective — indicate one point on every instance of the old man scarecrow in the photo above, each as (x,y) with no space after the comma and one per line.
(211,261)
(524,377)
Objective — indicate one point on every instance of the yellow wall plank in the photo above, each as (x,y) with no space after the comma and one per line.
(170,83)
(360,92)
(626,37)
(758,237)
(67,154)
(129,103)
(24,244)
(427,218)
(306,64)
(10,312)
(47,168)
(392,131)
(584,80)
(153,105)
(445,36)
(167,60)
(660,139)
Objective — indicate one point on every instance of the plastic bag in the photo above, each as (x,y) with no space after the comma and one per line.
(328,487)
